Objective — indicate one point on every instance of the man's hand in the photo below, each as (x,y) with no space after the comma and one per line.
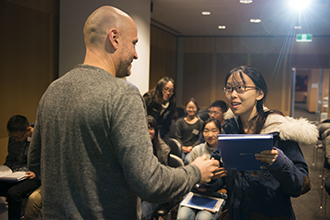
(30,175)
(208,168)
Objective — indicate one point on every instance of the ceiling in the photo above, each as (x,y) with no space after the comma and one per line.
(184,18)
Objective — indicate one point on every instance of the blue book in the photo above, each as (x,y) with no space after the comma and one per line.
(197,201)
(238,150)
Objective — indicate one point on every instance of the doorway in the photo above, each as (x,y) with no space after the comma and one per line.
(310,93)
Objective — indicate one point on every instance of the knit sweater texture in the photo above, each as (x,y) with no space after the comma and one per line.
(92,149)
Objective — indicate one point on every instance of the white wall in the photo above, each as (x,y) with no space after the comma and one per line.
(73,14)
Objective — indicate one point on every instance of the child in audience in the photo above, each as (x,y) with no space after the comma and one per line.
(188,130)
(263,194)
(161,104)
(161,151)
(211,129)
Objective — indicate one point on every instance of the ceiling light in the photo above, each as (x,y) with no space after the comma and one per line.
(245,1)
(206,13)
(252,20)
(297,27)
(221,27)
(299,5)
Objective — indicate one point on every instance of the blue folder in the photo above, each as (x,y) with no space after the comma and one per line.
(238,150)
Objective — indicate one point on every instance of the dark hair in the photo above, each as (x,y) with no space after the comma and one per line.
(257,121)
(155,97)
(193,101)
(155,141)
(215,121)
(17,123)
(159,89)
(221,104)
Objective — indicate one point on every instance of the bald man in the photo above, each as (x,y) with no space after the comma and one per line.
(91,145)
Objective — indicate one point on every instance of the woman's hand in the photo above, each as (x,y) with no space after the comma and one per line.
(187,149)
(220,172)
(267,156)
(30,175)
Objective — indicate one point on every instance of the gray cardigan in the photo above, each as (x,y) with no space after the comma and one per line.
(92,149)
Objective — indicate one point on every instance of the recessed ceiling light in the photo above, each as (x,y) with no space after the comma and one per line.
(245,1)
(206,12)
(221,27)
(252,20)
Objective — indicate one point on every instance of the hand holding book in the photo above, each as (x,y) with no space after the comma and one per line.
(267,156)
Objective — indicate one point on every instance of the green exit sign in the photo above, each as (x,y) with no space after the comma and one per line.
(304,38)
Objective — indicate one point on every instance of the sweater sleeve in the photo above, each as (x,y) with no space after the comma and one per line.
(150,180)
(34,154)
(290,169)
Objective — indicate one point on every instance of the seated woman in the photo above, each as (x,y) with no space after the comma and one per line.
(161,104)
(188,129)
(161,151)
(211,129)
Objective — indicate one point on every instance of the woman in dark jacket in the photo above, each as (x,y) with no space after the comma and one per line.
(161,105)
(161,151)
(263,194)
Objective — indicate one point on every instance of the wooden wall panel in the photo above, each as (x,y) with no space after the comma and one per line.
(197,78)
(271,67)
(225,63)
(29,37)
(163,56)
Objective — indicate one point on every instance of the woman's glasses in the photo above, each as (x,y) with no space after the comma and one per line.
(238,89)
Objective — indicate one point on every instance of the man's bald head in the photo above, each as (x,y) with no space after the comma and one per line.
(101,21)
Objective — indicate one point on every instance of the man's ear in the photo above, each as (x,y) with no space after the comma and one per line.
(260,95)
(114,38)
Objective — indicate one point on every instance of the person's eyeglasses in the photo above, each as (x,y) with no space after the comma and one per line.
(238,89)
(214,112)
(168,90)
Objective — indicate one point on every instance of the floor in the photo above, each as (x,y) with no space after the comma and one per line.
(308,206)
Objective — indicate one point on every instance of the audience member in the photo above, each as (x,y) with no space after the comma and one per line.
(188,130)
(20,133)
(161,151)
(211,129)
(263,194)
(161,104)
(91,145)
(217,111)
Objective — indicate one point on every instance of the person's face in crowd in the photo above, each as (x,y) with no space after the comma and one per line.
(151,131)
(243,102)
(210,134)
(19,135)
(168,91)
(216,113)
(128,53)
(191,109)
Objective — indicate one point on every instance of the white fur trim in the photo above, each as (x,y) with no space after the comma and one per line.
(298,130)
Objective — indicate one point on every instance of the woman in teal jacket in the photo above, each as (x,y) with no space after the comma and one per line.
(263,194)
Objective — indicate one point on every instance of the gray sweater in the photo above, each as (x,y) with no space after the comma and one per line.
(92,149)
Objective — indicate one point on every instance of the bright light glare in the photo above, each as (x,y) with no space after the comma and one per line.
(299,5)
(206,13)
(221,27)
(252,20)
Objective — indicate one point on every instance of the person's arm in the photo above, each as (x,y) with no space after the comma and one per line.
(150,180)
(289,168)
(34,154)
